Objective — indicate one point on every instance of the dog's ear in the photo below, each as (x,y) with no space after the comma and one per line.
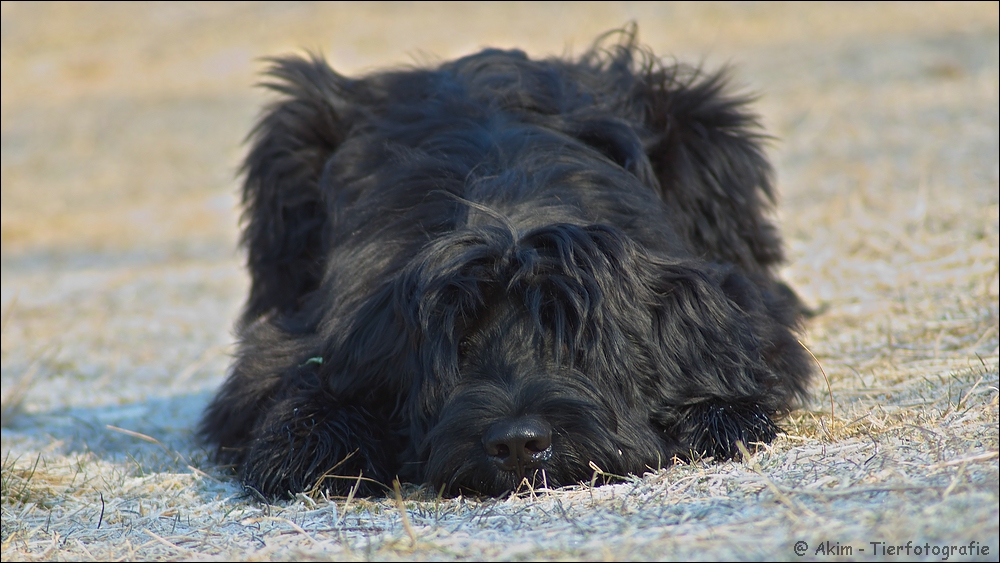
(706,344)
(285,215)
(707,155)
(728,357)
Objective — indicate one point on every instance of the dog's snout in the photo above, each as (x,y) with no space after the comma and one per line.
(518,445)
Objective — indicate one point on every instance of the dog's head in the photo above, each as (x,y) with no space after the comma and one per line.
(546,377)
(549,354)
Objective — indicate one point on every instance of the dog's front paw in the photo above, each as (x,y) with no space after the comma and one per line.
(713,428)
(317,448)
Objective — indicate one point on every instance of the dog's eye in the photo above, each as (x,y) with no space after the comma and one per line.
(463,347)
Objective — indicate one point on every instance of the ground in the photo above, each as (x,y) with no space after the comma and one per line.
(122,129)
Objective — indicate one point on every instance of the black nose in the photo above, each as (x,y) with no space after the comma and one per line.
(518,445)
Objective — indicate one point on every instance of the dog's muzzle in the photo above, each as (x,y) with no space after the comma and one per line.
(519,445)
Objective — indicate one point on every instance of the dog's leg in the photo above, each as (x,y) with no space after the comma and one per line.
(713,428)
(252,386)
(312,442)
(282,427)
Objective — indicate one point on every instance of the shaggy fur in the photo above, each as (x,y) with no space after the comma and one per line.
(502,269)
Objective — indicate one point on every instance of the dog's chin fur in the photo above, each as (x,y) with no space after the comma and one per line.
(580,243)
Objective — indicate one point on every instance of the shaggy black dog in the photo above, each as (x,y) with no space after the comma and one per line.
(503,269)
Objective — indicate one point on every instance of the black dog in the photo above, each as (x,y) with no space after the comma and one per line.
(503,269)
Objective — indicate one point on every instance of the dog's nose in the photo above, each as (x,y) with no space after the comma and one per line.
(518,445)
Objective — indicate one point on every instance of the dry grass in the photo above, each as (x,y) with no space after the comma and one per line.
(121,129)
